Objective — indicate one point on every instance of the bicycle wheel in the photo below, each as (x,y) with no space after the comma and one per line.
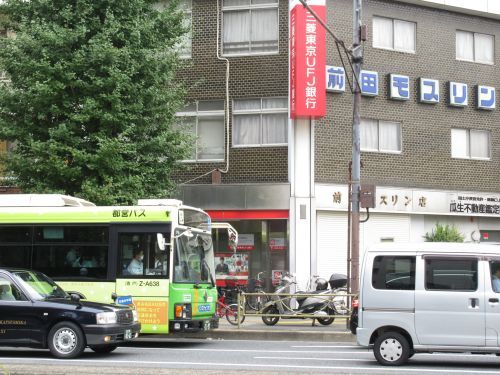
(254,303)
(232,314)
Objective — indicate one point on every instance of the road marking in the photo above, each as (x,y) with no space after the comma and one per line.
(241,350)
(328,346)
(252,350)
(319,359)
(246,365)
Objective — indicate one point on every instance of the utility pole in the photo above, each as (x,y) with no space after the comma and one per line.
(357,59)
(356,54)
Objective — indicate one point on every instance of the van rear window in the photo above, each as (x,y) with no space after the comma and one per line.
(451,274)
(393,272)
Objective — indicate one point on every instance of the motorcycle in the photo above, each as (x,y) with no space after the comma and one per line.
(321,304)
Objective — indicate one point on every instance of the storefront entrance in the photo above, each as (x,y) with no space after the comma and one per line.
(262,251)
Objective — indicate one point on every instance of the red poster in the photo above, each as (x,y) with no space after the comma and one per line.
(307,60)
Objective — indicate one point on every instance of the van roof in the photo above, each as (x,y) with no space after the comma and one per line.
(436,247)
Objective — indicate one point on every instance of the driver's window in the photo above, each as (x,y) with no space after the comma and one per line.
(9,292)
(140,255)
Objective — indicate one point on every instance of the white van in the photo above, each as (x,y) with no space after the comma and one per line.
(429,297)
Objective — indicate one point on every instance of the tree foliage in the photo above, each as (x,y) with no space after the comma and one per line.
(92,97)
(444,233)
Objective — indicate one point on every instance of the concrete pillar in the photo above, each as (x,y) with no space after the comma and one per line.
(302,203)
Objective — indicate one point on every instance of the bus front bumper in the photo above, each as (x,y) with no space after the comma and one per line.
(190,325)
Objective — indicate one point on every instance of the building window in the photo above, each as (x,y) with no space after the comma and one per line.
(470,144)
(204,120)
(394,34)
(183,47)
(260,122)
(250,27)
(475,47)
(380,136)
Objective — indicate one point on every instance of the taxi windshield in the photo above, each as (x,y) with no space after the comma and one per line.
(38,285)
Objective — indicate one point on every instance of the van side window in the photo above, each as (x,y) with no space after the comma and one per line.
(495,275)
(394,272)
(451,274)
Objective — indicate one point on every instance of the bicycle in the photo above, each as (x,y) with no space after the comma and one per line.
(256,302)
(229,311)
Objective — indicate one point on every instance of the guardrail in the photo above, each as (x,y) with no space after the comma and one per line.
(341,298)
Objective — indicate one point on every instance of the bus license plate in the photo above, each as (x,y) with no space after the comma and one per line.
(128,334)
(206,325)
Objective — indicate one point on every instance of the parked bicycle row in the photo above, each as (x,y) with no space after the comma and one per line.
(322,301)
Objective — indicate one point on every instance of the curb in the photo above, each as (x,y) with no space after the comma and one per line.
(243,334)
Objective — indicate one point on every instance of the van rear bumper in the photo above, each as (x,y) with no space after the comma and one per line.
(363,336)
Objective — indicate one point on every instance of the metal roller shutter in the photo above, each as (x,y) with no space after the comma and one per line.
(331,237)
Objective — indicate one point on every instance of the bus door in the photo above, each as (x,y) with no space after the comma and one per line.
(143,272)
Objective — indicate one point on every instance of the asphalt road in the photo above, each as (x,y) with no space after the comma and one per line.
(206,357)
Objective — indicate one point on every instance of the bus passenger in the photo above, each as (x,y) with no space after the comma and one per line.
(135,266)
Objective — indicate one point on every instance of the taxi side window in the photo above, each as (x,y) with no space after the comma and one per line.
(10,292)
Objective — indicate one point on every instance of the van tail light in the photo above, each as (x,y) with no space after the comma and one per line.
(355,303)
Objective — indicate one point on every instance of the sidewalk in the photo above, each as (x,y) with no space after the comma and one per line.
(287,329)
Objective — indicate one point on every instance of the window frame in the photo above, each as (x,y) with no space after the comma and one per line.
(187,9)
(196,113)
(249,7)
(385,260)
(451,258)
(474,59)
(379,150)
(260,112)
(393,33)
(468,145)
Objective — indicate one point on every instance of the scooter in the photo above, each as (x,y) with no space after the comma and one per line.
(319,305)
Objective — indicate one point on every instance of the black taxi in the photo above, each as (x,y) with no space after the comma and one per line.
(36,312)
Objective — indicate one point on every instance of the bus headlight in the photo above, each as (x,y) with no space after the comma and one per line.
(108,317)
(135,315)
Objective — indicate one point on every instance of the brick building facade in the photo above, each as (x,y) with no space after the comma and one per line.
(430,176)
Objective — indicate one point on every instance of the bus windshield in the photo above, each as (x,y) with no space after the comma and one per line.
(193,257)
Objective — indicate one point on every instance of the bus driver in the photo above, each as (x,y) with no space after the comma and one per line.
(135,266)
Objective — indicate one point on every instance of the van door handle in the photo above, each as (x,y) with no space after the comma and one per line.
(474,302)
(493,300)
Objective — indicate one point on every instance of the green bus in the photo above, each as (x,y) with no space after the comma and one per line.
(157,255)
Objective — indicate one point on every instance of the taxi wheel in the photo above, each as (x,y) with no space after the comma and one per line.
(66,340)
(103,348)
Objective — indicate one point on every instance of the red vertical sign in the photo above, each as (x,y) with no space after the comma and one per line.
(307,60)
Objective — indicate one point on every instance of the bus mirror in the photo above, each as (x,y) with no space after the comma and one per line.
(160,239)
(232,236)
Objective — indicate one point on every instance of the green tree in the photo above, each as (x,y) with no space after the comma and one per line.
(444,233)
(92,97)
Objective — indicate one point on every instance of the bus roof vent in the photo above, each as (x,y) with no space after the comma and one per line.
(159,202)
(41,200)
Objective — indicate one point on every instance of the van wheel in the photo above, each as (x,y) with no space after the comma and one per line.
(391,349)
(66,340)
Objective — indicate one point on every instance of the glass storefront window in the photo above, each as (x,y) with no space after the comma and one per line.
(262,251)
